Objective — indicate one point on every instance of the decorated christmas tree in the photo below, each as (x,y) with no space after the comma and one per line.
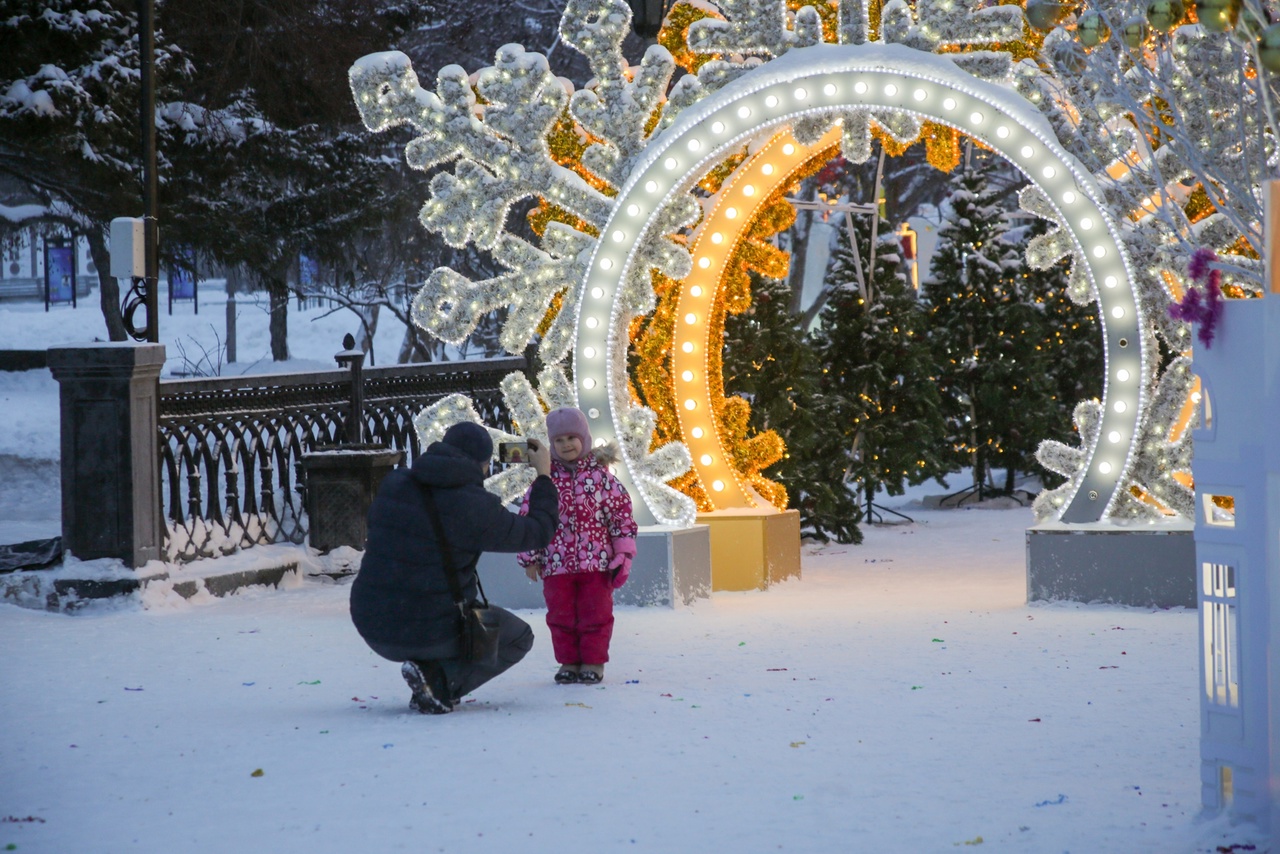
(876,370)
(981,330)
(769,361)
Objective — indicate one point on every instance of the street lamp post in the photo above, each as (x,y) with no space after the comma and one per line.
(144,293)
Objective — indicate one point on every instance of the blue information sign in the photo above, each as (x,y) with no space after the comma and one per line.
(59,275)
(183,283)
(308,272)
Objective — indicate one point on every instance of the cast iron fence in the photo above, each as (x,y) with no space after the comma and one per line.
(231,472)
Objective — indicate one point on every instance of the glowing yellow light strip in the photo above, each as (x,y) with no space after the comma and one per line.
(736,206)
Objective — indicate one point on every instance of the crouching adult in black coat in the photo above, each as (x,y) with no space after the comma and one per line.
(401,602)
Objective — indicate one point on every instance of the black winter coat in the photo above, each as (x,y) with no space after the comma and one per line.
(401,594)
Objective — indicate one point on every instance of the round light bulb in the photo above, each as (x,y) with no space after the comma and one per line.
(1068,197)
(976,118)
(771,101)
(717,237)
(705,459)
(829,89)
(1113,436)
(704,262)
(1105,468)
(589,352)
(1026,151)
(606,264)
(696,433)
(1117,312)
(1099,252)
(730,213)
(687,376)
(890,90)
(1110,281)
(695,290)
(597,292)
(860,87)
(592,323)
(618,236)
(1002,132)
(687,346)
(748,190)
(919,94)
(633,210)
(717,127)
(691,318)
(1120,406)
(1048,172)
(788,149)
(717,485)
(766,169)
(651,186)
(1122,375)
(949,103)
(691,404)
(670,163)
(744,112)
(801,94)
(588,383)
(694,144)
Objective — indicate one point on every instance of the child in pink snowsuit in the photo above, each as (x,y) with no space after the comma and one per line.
(591,551)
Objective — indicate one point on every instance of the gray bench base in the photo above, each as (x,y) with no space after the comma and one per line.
(1140,566)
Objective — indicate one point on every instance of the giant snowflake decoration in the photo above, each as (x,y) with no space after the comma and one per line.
(498,128)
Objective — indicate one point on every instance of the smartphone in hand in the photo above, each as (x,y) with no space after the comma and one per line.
(513,453)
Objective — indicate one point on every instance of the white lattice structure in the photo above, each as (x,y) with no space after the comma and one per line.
(1237,457)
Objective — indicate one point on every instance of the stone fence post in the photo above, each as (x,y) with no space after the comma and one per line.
(109,402)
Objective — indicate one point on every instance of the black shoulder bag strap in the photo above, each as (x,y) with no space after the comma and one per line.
(450,569)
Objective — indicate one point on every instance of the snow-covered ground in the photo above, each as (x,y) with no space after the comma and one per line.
(900,696)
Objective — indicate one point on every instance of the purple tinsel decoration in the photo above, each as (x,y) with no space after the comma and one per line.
(1194,308)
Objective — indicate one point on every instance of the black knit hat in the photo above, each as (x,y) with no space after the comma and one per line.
(470,438)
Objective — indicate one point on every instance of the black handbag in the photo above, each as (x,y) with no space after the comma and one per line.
(478,632)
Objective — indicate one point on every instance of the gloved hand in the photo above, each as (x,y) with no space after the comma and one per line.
(620,566)
(624,549)
(534,571)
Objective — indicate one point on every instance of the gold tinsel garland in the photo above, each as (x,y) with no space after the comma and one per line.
(653,383)
(674,35)
(828,13)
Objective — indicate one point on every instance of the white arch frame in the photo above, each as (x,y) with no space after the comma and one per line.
(825,78)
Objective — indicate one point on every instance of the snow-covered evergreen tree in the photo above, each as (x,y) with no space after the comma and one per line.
(769,360)
(980,328)
(69,120)
(877,370)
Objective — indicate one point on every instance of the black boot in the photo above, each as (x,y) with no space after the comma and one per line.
(429,685)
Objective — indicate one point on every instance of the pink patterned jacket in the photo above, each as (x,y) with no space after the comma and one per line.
(595,520)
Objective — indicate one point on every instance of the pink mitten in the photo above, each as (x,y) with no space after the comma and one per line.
(624,549)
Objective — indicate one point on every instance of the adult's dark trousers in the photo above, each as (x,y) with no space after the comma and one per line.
(515,639)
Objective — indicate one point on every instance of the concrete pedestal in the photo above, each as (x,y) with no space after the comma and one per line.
(751,549)
(672,567)
(1141,566)
(341,483)
(109,398)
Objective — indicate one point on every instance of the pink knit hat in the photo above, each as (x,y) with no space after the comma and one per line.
(568,421)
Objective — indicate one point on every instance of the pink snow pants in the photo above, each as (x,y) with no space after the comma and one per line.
(580,616)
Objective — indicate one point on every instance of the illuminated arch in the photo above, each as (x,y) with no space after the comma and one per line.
(840,78)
